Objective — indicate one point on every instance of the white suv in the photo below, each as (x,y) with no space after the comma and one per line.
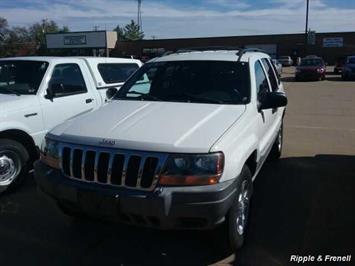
(178,147)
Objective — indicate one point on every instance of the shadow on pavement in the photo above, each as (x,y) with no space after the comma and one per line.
(334,78)
(300,206)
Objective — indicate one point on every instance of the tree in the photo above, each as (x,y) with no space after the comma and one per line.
(133,32)
(26,40)
(39,30)
(18,42)
(130,32)
(4,28)
(120,33)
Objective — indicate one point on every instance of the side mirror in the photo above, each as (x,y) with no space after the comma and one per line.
(52,90)
(50,94)
(273,100)
(111,92)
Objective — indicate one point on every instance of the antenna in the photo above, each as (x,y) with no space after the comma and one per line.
(139,15)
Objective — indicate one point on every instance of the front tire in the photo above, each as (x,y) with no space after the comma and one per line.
(13,163)
(237,218)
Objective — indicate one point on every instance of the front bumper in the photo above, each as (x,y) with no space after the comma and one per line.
(309,75)
(199,207)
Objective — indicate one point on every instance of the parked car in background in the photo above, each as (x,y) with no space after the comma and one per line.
(311,68)
(349,68)
(178,152)
(278,66)
(338,67)
(285,60)
(38,93)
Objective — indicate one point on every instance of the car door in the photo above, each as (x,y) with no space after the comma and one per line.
(266,115)
(72,96)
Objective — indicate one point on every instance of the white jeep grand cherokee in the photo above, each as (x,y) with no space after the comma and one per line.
(178,147)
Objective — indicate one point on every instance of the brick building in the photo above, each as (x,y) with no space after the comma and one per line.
(328,45)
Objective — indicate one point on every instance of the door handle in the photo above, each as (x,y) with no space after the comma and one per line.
(90,100)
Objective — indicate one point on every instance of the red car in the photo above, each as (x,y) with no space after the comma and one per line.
(311,68)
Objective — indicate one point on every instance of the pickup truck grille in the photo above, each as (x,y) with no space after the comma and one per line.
(122,168)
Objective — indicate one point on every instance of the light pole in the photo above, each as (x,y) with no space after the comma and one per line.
(306,29)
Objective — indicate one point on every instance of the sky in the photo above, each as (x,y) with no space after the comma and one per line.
(185,18)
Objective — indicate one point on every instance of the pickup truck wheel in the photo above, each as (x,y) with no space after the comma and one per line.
(238,214)
(276,149)
(13,163)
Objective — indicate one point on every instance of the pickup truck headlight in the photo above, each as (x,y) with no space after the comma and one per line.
(192,170)
(50,153)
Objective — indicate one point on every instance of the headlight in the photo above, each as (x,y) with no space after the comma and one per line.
(50,153)
(320,70)
(192,170)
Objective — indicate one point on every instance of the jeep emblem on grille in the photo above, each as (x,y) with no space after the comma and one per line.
(107,142)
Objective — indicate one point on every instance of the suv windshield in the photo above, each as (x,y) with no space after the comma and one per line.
(21,77)
(220,82)
(311,62)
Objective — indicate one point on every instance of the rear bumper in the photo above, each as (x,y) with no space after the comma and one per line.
(309,75)
(200,207)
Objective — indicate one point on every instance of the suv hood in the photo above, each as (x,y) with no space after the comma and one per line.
(152,126)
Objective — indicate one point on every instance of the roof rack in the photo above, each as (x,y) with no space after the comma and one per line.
(241,52)
(208,48)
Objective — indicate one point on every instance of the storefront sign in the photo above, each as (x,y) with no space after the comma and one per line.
(333,42)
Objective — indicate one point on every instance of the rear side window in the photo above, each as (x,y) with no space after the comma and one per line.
(271,74)
(116,73)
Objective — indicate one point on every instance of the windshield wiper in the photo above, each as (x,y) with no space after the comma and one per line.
(144,96)
(201,98)
(10,91)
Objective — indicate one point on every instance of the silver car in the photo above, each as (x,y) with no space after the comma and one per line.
(286,60)
(278,66)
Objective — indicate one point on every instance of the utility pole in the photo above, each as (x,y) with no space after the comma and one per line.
(306,29)
(139,15)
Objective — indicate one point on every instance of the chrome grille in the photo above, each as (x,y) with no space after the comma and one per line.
(122,168)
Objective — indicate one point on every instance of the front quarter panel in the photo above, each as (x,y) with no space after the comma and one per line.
(237,144)
(28,120)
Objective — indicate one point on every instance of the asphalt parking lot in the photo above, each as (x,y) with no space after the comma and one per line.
(303,204)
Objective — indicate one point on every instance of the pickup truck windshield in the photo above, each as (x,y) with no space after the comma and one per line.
(218,82)
(21,77)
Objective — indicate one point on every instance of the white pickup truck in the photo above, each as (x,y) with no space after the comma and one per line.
(38,93)
(178,151)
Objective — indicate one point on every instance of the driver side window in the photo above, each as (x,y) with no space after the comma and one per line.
(66,80)
(262,85)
